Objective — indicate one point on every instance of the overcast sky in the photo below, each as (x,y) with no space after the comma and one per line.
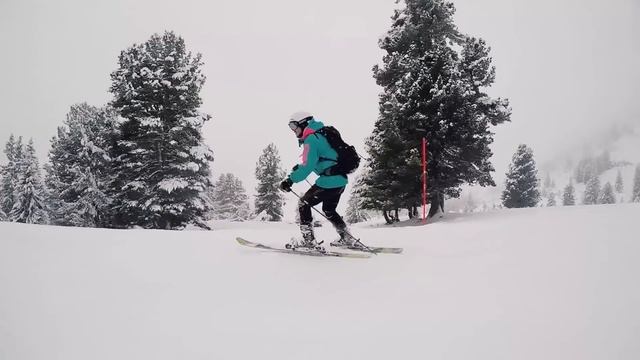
(570,68)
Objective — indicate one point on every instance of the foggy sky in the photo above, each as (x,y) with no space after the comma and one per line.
(569,68)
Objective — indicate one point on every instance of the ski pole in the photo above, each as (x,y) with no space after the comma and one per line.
(325,216)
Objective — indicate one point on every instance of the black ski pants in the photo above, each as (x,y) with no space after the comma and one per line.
(329,199)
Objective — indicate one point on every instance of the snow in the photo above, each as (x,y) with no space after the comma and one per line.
(178,76)
(541,283)
(190,166)
(134,185)
(200,152)
(172,184)
(150,122)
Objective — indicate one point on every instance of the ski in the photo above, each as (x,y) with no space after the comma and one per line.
(244,242)
(373,249)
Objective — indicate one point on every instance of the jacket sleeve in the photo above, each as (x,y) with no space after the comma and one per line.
(309,161)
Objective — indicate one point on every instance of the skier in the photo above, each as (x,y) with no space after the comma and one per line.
(317,157)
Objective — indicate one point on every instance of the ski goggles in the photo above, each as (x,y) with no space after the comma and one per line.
(293,125)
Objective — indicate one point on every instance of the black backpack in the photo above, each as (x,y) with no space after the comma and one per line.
(348,158)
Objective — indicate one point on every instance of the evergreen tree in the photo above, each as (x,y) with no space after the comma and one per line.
(29,206)
(635,197)
(355,212)
(382,187)
(3,216)
(522,182)
(433,81)
(551,201)
(161,161)
(9,174)
(619,183)
(79,170)
(607,196)
(269,174)
(230,201)
(569,197)
(592,191)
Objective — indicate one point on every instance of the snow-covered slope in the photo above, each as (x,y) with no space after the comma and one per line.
(545,283)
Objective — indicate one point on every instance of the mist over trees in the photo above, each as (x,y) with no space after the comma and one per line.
(592,166)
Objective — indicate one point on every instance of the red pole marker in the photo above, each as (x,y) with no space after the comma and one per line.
(424,180)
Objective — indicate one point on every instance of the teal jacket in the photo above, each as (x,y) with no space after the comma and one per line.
(317,156)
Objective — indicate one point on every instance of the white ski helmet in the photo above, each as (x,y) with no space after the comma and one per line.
(299,116)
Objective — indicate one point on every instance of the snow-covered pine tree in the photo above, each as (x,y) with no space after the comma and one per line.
(592,191)
(569,196)
(635,195)
(382,187)
(434,80)
(607,196)
(355,212)
(79,169)
(522,182)
(161,161)
(551,200)
(9,173)
(3,216)
(269,199)
(29,206)
(619,183)
(230,201)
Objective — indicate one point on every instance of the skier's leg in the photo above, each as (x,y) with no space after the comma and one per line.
(330,202)
(311,198)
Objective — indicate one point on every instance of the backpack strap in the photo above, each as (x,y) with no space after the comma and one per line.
(321,158)
(327,171)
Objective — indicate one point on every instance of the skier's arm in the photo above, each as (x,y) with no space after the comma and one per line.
(309,161)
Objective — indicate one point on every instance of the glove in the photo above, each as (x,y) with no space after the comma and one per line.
(285,185)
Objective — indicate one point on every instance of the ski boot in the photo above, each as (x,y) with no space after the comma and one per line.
(346,240)
(307,242)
